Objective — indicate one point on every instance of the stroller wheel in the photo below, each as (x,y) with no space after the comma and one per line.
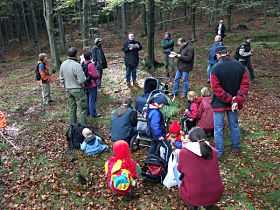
(134,143)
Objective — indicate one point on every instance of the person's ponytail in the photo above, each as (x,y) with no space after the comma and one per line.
(127,103)
(205,150)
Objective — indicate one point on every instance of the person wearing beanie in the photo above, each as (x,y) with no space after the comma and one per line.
(175,136)
(156,125)
(92,144)
(121,170)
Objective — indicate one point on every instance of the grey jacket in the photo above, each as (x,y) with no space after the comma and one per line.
(71,74)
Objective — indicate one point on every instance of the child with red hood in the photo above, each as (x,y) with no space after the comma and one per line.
(121,170)
(174,136)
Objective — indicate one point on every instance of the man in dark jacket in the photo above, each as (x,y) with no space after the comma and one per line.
(221,29)
(167,45)
(131,49)
(184,64)
(245,53)
(230,84)
(98,58)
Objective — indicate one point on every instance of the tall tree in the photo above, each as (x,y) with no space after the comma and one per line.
(61,29)
(24,20)
(151,33)
(35,29)
(143,19)
(124,30)
(48,15)
(85,23)
(2,49)
(229,14)
(17,25)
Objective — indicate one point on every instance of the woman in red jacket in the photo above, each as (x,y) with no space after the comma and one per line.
(198,164)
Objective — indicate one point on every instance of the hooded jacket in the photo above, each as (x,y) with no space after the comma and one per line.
(98,56)
(205,116)
(92,145)
(185,62)
(155,121)
(201,184)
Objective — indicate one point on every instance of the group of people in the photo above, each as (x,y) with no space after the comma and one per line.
(229,82)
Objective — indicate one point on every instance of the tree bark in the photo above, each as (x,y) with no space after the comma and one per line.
(35,29)
(193,10)
(85,23)
(18,28)
(265,10)
(81,16)
(123,19)
(48,15)
(143,20)
(151,33)
(24,21)
(229,15)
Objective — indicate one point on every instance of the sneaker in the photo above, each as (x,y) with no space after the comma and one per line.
(172,94)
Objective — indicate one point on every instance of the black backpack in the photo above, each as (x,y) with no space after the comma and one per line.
(74,135)
(85,69)
(155,169)
(236,54)
(37,72)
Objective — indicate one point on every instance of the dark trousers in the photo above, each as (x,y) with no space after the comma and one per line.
(91,101)
(130,73)
(155,147)
(187,124)
(248,65)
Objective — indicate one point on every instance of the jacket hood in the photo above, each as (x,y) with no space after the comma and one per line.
(194,147)
(90,139)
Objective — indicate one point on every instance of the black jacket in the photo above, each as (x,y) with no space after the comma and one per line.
(131,57)
(223,30)
(98,57)
(185,62)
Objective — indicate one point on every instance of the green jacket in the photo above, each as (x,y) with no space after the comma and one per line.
(167,45)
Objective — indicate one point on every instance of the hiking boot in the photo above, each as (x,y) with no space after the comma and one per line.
(236,150)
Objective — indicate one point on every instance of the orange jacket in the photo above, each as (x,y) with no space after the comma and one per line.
(3,121)
(44,72)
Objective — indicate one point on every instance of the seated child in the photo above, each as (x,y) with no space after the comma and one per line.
(175,136)
(205,116)
(189,119)
(92,144)
(121,170)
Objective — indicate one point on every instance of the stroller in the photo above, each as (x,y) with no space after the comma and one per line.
(151,87)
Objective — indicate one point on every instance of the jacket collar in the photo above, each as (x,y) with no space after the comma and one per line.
(194,147)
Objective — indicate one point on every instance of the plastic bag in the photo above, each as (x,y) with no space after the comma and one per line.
(169,180)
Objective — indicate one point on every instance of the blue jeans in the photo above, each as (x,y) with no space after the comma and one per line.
(91,101)
(130,72)
(219,130)
(209,69)
(178,76)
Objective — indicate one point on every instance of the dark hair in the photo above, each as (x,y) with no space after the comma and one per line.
(248,37)
(182,40)
(87,55)
(197,134)
(126,103)
(72,52)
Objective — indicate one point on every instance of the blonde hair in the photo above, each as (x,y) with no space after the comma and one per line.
(192,95)
(205,92)
(86,132)
(42,56)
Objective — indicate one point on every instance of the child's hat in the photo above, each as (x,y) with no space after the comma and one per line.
(175,128)
(121,149)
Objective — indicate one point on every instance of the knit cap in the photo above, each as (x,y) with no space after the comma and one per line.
(175,128)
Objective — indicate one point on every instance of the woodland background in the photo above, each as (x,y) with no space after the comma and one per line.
(38,171)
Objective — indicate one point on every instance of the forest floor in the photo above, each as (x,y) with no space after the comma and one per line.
(40,172)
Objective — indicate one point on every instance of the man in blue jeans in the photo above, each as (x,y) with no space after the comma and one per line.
(131,49)
(184,64)
(230,84)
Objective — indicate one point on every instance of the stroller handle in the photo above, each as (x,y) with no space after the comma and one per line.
(162,91)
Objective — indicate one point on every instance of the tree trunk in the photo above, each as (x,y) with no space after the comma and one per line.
(123,19)
(34,24)
(24,21)
(229,15)
(278,5)
(6,30)
(265,10)
(210,19)
(143,20)
(85,23)
(61,31)
(151,33)
(193,9)
(162,19)
(50,28)
(81,16)
(18,28)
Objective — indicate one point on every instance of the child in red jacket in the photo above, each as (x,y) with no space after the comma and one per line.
(174,136)
(121,170)
(205,117)
(189,119)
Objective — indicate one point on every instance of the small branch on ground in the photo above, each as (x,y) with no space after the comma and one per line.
(11,143)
